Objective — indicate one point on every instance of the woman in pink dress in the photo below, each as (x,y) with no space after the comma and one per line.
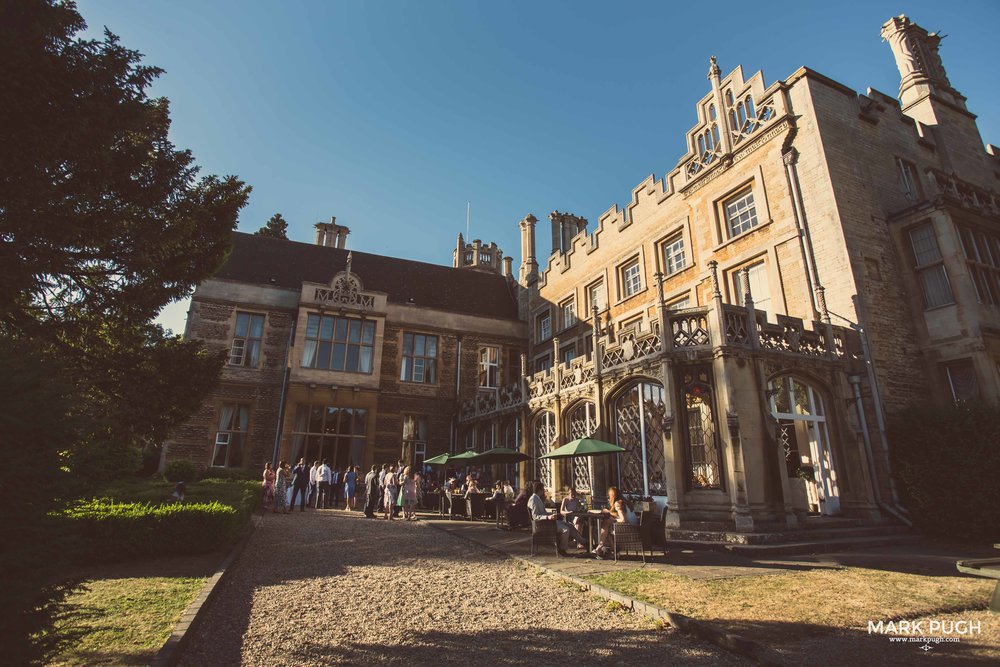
(268,485)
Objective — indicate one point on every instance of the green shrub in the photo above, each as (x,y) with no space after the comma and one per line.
(113,530)
(181,470)
(947,464)
(244,474)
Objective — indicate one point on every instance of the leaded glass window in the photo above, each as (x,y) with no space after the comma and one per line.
(930,267)
(545,441)
(582,424)
(639,431)
(703,453)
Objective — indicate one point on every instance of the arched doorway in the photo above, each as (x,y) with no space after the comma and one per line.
(805,439)
(544,442)
(582,423)
(638,413)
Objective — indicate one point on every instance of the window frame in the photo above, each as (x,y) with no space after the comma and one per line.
(597,285)
(624,281)
(934,265)
(570,321)
(429,363)
(318,341)
(670,242)
(224,437)
(245,341)
(909,179)
(741,193)
(981,250)
(490,370)
(541,318)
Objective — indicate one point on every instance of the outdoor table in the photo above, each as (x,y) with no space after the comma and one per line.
(593,519)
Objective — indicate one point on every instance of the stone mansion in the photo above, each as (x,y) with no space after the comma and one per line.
(816,260)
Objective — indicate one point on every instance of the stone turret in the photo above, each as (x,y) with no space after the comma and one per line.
(921,71)
(477,255)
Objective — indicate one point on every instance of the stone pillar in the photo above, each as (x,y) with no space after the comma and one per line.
(508,267)
(529,265)
(721,113)
(556,222)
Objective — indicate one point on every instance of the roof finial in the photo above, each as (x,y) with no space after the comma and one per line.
(713,69)
(349,256)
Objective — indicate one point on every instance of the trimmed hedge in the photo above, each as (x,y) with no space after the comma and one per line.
(947,464)
(112,530)
(181,470)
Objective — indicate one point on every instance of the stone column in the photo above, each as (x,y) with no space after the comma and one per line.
(529,265)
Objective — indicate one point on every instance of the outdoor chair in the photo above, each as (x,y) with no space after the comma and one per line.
(544,532)
(626,537)
(474,505)
(517,516)
(651,533)
(456,507)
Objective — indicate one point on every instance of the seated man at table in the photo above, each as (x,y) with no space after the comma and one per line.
(536,507)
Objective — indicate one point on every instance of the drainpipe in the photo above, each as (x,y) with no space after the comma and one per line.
(790,158)
(281,400)
(856,387)
(458,389)
(879,414)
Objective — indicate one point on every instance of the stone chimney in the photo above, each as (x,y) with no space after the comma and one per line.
(529,265)
(331,235)
(565,227)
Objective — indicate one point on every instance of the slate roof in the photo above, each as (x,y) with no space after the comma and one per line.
(262,260)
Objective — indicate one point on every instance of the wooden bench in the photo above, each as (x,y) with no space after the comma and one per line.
(988,568)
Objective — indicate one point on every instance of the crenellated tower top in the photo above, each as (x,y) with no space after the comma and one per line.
(479,256)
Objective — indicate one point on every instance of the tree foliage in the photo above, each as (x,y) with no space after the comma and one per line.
(947,463)
(103,221)
(276,227)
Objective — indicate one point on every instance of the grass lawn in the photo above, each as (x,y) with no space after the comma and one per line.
(129,609)
(797,605)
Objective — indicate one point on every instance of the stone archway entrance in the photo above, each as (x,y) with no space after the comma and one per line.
(805,438)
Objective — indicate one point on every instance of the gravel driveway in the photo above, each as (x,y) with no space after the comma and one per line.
(331,588)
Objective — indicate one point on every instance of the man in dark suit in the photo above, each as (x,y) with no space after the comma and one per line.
(300,484)
(372,492)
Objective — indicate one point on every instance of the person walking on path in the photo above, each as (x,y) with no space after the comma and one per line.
(268,486)
(410,482)
(390,494)
(334,487)
(313,483)
(282,478)
(381,484)
(371,492)
(323,477)
(300,484)
(351,488)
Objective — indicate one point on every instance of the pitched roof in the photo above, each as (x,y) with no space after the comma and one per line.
(269,261)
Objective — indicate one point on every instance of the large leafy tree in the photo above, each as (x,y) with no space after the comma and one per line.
(276,227)
(102,222)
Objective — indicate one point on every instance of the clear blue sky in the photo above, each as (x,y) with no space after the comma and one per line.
(391,115)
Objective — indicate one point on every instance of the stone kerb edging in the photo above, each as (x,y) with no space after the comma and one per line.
(171,651)
(701,629)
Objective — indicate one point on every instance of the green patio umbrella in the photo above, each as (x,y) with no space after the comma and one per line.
(439,460)
(499,455)
(464,456)
(583,447)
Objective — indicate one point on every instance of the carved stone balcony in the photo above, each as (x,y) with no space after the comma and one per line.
(692,333)
(492,402)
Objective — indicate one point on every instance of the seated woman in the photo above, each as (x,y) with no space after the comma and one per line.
(536,507)
(490,504)
(471,487)
(570,503)
(517,513)
(618,512)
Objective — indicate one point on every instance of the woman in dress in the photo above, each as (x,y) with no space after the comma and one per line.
(282,477)
(391,494)
(409,494)
(268,485)
(351,487)
(618,512)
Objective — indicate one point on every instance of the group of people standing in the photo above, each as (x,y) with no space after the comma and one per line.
(391,490)
(320,486)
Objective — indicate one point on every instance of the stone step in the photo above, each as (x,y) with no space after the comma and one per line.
(808,534)
(801,547)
